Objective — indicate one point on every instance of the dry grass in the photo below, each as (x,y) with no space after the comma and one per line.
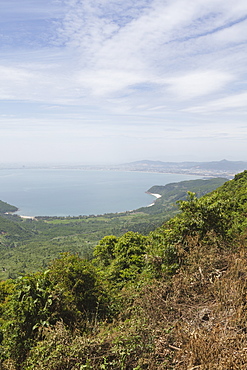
(199,319)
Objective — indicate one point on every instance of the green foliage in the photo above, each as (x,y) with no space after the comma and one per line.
(104,251)
(123,309)
(123,257)
(200,216)
(28,309)
(171,193)
(69,292)
(5,207)
(77,279)
(13,231)
(129,257)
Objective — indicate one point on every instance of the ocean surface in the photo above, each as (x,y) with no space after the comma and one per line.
(74,192)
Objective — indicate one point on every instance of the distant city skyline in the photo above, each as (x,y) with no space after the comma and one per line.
(109,82)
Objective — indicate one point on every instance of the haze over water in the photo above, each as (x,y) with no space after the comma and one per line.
(55,192)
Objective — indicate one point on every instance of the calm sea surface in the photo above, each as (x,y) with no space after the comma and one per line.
(54,192)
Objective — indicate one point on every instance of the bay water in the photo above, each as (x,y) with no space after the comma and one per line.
(74,192)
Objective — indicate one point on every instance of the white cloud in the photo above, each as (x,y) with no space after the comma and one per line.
(115,57)
(198,83)
(106,82)
(17,75)
(127,63)
(234,34)
(116,50)
(237,101)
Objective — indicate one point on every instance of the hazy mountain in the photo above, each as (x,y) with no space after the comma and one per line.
(214,168)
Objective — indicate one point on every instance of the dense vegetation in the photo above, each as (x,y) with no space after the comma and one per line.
(28,245)
(5,207)
(174,298)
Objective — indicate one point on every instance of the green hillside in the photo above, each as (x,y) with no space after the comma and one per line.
(173,192)
(28,245)
(5,207)
(174,298)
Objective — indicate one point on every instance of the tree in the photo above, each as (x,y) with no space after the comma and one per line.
(104,251)
(129,253)
(69,292)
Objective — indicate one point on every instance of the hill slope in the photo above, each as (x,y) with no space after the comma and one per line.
(173,192)
(173,299)
(5,207)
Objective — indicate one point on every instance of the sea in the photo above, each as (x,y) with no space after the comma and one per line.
(75,192)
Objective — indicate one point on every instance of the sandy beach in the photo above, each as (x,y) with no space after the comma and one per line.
(27,217)
(156,196)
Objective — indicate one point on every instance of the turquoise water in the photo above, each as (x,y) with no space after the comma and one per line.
(54,192)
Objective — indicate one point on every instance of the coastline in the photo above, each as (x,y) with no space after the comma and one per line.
(28,217)
(25,217)
(195,170)
(157,196)
(120,180)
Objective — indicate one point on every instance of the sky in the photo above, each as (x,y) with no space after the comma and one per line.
(113,81)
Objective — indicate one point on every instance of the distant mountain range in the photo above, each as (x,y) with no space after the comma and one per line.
(224,168)
(215,168)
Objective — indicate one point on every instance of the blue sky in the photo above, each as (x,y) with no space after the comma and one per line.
(114,81)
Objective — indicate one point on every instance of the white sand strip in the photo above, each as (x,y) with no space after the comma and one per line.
(27,217)
(156,195)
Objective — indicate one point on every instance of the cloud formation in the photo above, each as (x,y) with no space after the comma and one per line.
(111,65)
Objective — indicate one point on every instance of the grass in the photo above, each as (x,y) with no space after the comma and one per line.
(200,318)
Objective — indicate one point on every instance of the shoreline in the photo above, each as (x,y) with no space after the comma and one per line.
(28,217)
(16,214)
(187,172)
(157,196)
